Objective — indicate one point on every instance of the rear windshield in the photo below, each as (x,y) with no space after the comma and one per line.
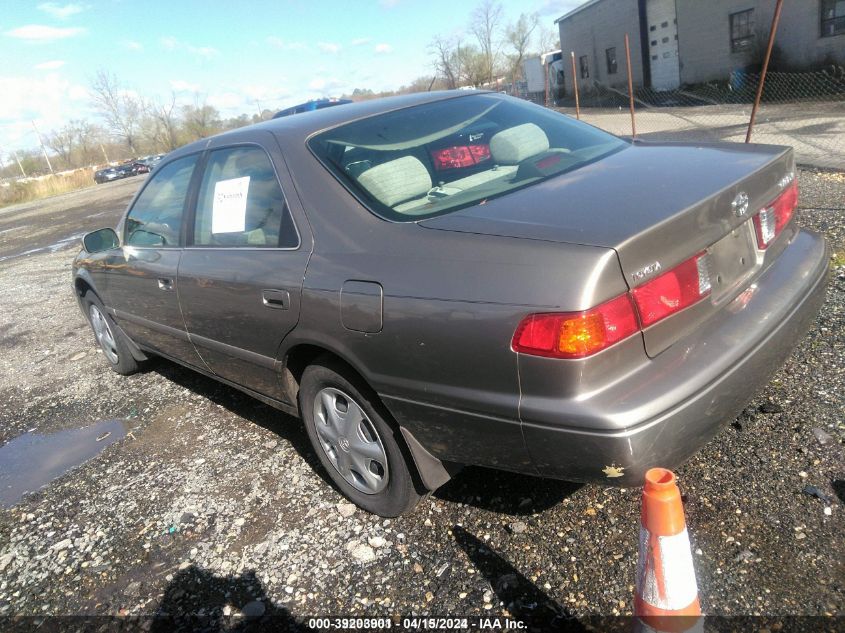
(428,160)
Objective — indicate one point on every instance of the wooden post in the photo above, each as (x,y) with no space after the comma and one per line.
(630,87)
(575,86)
(775,20)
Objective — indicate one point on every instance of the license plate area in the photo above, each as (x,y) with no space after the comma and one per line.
(733,260)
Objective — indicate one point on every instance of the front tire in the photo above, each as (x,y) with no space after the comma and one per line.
(360,450)
(109,337)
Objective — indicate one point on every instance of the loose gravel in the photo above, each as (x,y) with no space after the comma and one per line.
(214,504)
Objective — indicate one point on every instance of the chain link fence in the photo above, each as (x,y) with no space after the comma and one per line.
(803,109)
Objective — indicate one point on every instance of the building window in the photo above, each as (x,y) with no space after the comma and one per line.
(833,17)
(742,30)
(612,66)
(585,67)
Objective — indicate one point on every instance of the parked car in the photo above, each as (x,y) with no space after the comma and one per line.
(106,175)
(575,306)
(132,168)
(310,106)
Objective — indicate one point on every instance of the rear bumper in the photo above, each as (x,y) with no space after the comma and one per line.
(666,410)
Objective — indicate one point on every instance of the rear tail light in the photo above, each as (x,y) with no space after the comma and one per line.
(769,222)
(673,291)
(460,156)
(582,334)
(576,334)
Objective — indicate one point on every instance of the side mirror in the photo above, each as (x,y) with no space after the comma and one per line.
(102,240)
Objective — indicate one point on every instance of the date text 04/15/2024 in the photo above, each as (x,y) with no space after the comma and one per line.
(415,623)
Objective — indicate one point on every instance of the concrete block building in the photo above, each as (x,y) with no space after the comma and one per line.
(676,42)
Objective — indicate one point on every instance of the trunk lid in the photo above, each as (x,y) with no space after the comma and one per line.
(656,205)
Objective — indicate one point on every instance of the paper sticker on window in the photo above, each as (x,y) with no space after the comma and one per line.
(228,214)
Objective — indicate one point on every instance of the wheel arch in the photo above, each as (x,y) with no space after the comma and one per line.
(431,471)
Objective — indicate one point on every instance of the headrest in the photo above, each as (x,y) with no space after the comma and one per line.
(515,144)
(397,180)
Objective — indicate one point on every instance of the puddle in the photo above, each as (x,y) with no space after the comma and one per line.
(52,248)
(32,460)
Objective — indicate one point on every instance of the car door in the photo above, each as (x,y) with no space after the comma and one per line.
(241,274)
(142,282)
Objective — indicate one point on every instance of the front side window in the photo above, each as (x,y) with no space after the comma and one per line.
(742,30)
(585,66)
(240,202)
(612,66)
(156,217)
(833,17)
(438,157)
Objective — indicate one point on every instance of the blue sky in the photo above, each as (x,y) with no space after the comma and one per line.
(235,54)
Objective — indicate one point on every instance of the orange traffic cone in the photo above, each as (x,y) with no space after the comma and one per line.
(666,585)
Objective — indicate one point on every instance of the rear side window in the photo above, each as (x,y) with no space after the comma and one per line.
(156,217)
(241,203)
(438,157)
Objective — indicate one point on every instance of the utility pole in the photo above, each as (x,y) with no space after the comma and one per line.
(43,149)
(18,161)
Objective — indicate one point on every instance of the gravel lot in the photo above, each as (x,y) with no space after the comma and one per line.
(213,503)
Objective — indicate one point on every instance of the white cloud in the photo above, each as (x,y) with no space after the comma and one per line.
(206,52)
(326,86)
(360,41)
(170,43)
(50,100)
(383,49)
(555,8)
(51,65)
(277,42)
(43,33)
(132,45)
(328,47)
(180,85)
(227,102)
(60,11)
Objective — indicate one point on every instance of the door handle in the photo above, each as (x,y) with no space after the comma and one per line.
(165,284)
(278,299)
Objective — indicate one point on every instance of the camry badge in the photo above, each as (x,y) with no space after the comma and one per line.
(649,270)
(740,204)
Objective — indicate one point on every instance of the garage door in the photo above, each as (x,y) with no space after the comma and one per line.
(663,44)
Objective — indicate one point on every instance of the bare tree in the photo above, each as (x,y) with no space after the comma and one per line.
(484,22)
(88,138)
(200,120)
(63,142)
(473,65)
(121,110)
(446,60)
(548,39)
(165,124)
(518,36)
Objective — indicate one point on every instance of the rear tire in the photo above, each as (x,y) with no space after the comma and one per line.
(109,337)
(362,452)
